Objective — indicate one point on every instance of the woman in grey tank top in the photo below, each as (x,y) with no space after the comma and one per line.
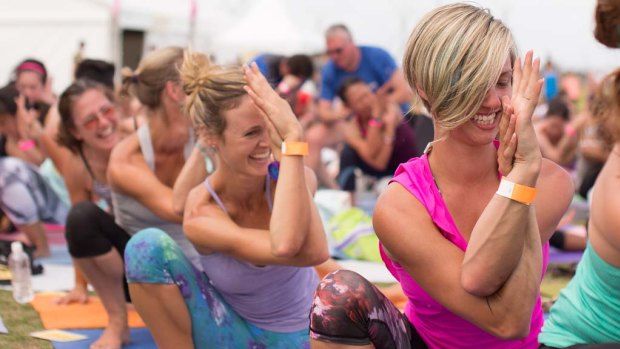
(258,238)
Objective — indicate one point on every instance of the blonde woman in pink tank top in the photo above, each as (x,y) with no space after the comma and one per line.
(467,247)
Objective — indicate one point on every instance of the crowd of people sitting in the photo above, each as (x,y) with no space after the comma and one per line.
(187,190)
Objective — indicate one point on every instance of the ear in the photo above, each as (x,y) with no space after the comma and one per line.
(75,134)
(210,139)
(174,91)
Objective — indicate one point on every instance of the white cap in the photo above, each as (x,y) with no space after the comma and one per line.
(16,247)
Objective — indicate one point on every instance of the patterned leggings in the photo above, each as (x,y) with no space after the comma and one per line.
(152,257)
(348,309)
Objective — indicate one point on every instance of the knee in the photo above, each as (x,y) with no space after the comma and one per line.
(149,249)
(150,242)
(81,227)
(81,216)
(343,283)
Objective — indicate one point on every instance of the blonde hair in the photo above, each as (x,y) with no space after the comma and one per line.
(211,90)
(454,56)
(149,79)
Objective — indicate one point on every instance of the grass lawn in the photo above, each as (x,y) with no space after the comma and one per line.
(20,320)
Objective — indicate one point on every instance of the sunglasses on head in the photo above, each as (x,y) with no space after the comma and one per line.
(91,121)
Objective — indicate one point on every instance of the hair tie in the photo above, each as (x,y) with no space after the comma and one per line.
(134,78)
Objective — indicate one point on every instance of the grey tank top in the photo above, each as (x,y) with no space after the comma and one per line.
(273,297)
(132,216)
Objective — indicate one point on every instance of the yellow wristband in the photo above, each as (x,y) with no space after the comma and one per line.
(516,192)
(294,148)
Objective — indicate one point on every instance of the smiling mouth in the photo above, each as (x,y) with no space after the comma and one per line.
(485,120)
(261,156)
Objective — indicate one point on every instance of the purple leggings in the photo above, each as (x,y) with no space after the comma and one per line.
(348,309)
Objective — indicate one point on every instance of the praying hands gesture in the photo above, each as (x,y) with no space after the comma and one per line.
(281,121)
(519,146)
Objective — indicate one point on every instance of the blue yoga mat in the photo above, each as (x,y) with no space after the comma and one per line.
(140,339)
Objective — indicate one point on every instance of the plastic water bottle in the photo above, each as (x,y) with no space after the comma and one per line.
(21,280)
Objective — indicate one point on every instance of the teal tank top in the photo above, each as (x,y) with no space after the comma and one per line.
(588,309)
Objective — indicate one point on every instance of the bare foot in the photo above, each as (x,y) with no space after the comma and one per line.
(112,338)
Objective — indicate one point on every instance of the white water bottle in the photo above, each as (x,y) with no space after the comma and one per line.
(21,280)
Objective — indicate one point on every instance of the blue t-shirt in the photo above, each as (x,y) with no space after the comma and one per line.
(375,68)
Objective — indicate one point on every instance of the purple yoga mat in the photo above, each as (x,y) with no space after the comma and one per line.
(559,257)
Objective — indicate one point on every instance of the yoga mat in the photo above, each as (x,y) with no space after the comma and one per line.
(560,257)
(89,315)
(140,339)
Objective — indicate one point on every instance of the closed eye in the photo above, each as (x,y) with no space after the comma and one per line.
(253,131)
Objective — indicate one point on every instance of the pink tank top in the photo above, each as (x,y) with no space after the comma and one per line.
(439,327)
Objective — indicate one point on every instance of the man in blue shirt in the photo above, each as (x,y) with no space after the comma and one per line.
(373,65)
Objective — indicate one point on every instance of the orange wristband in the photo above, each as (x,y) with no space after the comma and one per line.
(294,148)
(516,192)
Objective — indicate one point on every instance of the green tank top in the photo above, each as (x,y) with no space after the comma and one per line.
(588,309)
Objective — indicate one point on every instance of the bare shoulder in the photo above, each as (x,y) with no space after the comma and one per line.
(126,165)
(394,212)
(77,178)
(123,151)
(196,199)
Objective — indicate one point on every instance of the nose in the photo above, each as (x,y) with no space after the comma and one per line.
(492,100)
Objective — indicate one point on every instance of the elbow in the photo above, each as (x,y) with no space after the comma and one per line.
(478,285)
(318,257)
(285,249)
(178,208)
(304,255)
(511,328)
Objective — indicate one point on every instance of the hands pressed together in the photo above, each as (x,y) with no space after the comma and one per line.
(519,147)
(281,121)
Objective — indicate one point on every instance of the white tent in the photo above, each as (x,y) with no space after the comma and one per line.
(50,31)
(267,27)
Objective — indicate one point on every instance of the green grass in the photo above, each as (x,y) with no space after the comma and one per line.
(20,320)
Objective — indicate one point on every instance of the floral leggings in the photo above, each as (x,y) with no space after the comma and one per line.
(348,309)
(152,257)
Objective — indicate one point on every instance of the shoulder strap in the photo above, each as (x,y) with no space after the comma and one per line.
(144,138)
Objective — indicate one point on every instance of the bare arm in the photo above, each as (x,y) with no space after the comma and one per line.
(192,174)
(495,246)
(496,242)
(376,149)
(421,247)
(292,221)
(212,230)
(397,89)
(328,115)
(126,165)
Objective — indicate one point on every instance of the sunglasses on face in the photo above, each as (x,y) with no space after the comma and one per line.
(335,51)
(91,121)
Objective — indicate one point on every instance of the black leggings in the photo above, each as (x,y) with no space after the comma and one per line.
(348,309)
(92,232)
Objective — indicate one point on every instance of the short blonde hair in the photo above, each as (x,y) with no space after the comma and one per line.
(211,90)
(455,55)
(149,79)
